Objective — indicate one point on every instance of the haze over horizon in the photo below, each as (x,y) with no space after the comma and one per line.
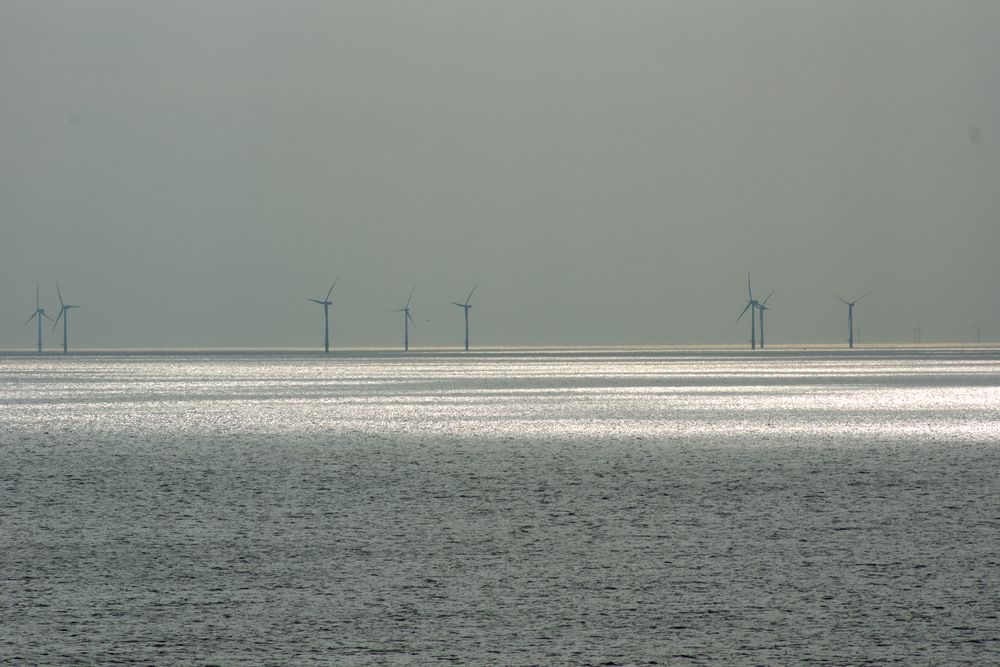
(192,173)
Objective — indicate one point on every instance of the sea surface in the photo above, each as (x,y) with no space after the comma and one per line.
(507,507)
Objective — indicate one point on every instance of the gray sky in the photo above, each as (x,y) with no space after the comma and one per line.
(191,172)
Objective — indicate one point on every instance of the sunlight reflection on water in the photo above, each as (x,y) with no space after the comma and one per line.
(469,397)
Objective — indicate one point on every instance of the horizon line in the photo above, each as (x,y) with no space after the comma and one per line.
(493,349)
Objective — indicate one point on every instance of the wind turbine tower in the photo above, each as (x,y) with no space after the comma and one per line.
(761,307)
(64,314)
(407,319)
(326,315)
(850,316)
(918,334)
(465,308)
(752,307)
(39,314)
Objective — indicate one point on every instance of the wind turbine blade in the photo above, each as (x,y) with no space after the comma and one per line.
(33,315)
(749,291)
(837,297)
(460,305)
(60,295)
(749,303)
(37,305)
(863,295)
(331,288)
(58,317)
(410,317)
(410,298)
(765,300)
(45,315)
(470,294)
(316,301)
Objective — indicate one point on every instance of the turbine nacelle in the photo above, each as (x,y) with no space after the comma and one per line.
(62,311)
(326,300)
(761,305)
(38,313)
(850,304)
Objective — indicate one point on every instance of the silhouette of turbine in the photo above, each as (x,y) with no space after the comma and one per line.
(752,307)
(465,308)
(39,313)
(64,314)
(761,308)
(850,316)
(918,334)
(326,315)
(407,319)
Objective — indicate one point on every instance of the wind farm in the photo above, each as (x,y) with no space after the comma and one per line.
(758,309)
(465,310)
(64,309)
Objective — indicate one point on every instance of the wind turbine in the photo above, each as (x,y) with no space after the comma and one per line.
(465,308)
(850,316)
(64,314)
(39,313)
(979,334)
(752,307)
(326,315)
(407,318)
(761,307)
(918,334)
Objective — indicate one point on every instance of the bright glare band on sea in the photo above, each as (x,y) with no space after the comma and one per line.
(604,507)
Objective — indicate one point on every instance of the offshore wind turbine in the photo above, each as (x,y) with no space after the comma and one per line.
(39,313)
(407,318)
(64,314)
(326,315)
(850,316)
(752,307)
(465,308)
(918,334)
(761,307)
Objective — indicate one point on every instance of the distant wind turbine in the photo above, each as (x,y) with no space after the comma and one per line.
(326,315)
(465,308)
(850,316)
(918,334)
(407,319)
(761,307)
(39,313)
(64,314)
(979,334)
(752,307)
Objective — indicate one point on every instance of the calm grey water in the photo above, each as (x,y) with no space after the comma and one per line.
(508,508)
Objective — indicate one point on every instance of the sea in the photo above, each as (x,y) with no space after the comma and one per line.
(667,506)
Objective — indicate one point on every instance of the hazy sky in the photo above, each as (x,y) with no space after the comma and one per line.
(607,172)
